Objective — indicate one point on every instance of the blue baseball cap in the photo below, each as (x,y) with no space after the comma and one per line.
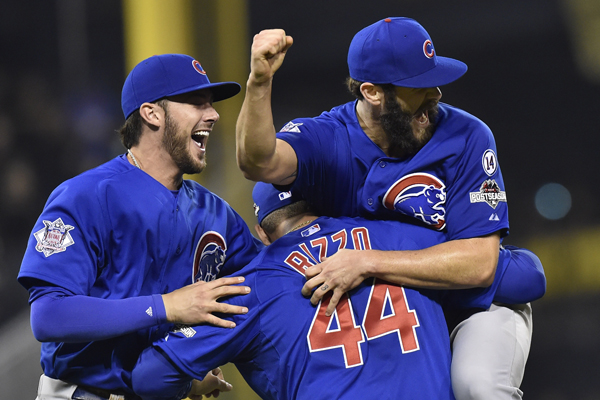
(168,75)
(400,51)
(268,199)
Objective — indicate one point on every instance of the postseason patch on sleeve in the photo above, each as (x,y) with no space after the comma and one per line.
(54,237)
(490,193)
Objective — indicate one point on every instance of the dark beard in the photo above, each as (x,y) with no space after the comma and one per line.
(177,148)
(397,126)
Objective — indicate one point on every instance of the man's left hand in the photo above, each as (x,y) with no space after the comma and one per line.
(339,273)
(212,385)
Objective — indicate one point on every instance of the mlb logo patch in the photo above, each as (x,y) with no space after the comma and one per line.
(291,127)
(311,230)
(54,237)
(285,195)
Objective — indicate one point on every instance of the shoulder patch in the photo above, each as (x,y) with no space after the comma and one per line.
(489,162)
(54,237)
(490,193)
(291,127)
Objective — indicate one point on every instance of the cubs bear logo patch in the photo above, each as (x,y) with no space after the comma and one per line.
(209,257)
(421,196)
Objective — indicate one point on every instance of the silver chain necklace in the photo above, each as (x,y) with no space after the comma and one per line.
(133,158)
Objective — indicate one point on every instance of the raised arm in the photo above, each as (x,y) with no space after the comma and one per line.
(456,264)
(261,156)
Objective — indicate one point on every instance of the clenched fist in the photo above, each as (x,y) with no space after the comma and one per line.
(268,51)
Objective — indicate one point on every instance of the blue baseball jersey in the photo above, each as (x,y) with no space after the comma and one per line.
(383,340)
(114,232)
(453,183)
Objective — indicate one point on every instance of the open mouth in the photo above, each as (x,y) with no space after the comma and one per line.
(422,117)
(200,137)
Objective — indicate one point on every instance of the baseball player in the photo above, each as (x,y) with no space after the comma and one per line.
(445,175)
(113,245)
(288,349)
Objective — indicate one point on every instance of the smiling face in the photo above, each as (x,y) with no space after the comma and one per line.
(189,119)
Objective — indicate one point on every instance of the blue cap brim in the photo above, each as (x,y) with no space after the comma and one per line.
(220,90)
(446,71)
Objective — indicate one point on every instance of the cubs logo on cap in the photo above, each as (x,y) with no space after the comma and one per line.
(400,51)
(168,75)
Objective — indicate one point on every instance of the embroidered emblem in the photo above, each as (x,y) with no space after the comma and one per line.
(291,127)
(489,162)
(311,230)
(428,49)
(54,237)
(198,67)
(209,257)
(186,330)
(489,193)
(421,196)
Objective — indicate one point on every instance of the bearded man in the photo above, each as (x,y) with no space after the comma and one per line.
(397,153)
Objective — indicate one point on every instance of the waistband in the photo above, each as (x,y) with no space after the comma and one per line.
(55,389)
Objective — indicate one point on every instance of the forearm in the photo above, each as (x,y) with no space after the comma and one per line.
(154,377)
(457,264)
(59,318)
(255,132)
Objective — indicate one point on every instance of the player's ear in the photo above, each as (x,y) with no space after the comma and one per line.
(372,93)
(150,114)
(262,235)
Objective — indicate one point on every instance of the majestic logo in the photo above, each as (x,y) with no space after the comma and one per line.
(209,257)
(490,193)
(185,330)
(489,162)
(291,127)
(198,67)
(428,49)
(421,196)
(54,237)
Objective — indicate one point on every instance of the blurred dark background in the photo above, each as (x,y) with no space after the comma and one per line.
(534,78)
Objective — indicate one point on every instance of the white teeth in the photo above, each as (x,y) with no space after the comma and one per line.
(423,118)
(201,133)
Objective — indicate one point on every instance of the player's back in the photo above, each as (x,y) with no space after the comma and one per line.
(383,341)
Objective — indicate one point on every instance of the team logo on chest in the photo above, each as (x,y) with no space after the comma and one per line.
(209,257)
(421,196)
(54,237)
